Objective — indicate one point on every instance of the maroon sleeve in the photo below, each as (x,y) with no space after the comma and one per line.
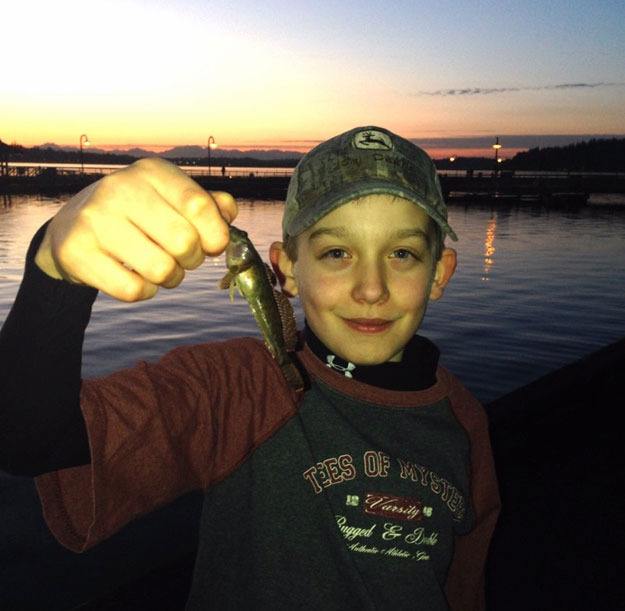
(157,431)
(465,580)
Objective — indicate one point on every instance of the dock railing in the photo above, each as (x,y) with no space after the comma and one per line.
(15,168)
(65,169)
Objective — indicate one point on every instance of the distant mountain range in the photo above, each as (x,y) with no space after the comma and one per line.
(596,154)
(184,152)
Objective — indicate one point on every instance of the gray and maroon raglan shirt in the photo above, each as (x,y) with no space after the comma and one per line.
(350,496)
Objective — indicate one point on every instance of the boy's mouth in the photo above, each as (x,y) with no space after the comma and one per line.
(368,325)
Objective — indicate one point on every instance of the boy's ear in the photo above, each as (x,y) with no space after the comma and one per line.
(283,269)
(445,268)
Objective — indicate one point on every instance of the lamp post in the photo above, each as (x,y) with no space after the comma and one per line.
(86,143)
(210,145)
(496,146)
(451,165)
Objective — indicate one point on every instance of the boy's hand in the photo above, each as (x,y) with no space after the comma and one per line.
(135,230)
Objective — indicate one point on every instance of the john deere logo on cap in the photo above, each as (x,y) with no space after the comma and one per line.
(373,139)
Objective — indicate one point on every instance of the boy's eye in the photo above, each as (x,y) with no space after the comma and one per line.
(402,253)
(335,253)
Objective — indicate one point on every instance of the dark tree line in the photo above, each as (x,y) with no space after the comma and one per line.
(600,155)
(37,154)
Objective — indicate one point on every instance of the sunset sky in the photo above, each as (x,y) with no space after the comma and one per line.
(287,74)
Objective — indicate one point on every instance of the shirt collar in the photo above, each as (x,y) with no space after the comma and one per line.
(416,370)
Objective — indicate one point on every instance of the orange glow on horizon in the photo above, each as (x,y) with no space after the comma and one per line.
(295,146)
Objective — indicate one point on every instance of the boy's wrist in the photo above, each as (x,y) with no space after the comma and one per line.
(43,286)
(44,260)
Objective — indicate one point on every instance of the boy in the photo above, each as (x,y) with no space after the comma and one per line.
(374,488)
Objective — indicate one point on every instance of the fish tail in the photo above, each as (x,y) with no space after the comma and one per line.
(292,375)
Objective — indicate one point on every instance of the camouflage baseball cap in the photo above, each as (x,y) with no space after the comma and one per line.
(362,161)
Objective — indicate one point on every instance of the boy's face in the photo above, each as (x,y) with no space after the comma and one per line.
(364,274)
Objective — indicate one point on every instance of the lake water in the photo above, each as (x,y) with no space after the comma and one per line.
(535,289)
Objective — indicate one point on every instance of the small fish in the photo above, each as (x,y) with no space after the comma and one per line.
(271,309)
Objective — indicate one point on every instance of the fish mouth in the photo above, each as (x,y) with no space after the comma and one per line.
(237,233)
(368,325)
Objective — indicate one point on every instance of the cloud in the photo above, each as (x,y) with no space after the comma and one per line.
(490,90)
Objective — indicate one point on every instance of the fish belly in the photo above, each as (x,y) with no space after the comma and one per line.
(258,293)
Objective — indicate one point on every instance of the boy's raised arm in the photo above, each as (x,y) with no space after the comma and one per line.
(127,234)
(41,427)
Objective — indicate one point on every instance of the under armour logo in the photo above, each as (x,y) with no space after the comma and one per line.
(345,370)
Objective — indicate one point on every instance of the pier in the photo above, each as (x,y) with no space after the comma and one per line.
(550,188)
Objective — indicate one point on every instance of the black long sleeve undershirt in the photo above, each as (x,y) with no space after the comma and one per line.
(41,425)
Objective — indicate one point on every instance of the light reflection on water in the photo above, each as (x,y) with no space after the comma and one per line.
(534,290)
(489,246)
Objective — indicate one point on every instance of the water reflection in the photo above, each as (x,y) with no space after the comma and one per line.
(489,247)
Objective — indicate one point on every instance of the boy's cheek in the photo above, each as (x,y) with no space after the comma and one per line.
(317,288)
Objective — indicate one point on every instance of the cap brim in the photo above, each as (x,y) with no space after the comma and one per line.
(338,197)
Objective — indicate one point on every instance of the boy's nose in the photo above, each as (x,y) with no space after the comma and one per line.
(370,284)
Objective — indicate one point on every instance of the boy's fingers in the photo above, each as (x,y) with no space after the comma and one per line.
(170,230)
(227,205)
(209,213)
(132,248)
(137,229)
(202,211)
(111,277)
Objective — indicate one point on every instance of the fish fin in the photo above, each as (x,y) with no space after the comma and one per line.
(227,280)
(270,275)
(287,317)
(293,376)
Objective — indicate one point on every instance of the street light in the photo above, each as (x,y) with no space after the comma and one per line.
(496,146)
(86,143)
(210,145)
